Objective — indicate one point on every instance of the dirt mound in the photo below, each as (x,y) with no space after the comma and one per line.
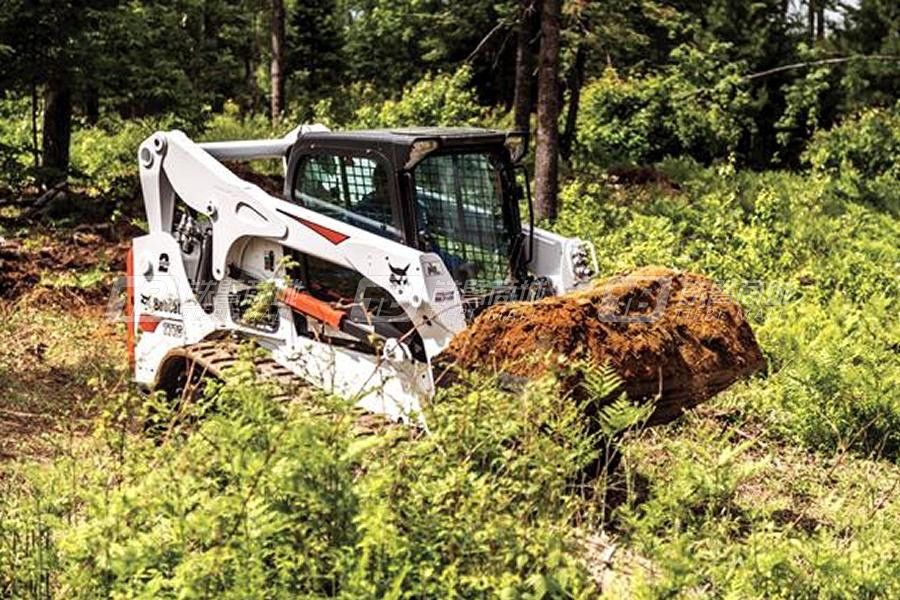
(671,335)
(59,262)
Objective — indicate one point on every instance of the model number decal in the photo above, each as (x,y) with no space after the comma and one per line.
(173,329)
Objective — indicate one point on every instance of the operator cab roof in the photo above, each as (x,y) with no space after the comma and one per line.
(400,145)
(408,135)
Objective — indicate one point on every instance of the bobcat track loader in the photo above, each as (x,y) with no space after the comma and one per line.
(381,246)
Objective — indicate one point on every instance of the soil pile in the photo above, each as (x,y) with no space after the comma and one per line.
(24,266)
(673,337)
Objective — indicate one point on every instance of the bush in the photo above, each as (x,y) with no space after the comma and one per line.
(104,156)
(481,506)
(230,124)
(436,100)
(834,375)
(620,121)
(27,554)
(255,503)
(17,167)
(696,109)
(861,156)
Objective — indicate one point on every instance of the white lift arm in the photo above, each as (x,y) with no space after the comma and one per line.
(174,167)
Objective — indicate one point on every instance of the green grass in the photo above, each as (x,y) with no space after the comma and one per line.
(727,512)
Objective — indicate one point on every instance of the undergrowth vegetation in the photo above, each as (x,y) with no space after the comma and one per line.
(814,264)
(275,500)
(728,514)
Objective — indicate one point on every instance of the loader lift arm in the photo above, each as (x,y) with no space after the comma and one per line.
(174,168)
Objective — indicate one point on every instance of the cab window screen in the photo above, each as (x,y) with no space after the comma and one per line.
(352,189)
(459,203)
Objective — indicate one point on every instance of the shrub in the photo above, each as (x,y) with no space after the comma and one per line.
(696,109)
(256,502)
(105,155)
(835,375)
(444,99)
(480,506)
(230,124)
(17,167)
(27,555)
(861,156)
(620,121)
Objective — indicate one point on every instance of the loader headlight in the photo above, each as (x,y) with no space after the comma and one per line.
(583,262)
(517,145)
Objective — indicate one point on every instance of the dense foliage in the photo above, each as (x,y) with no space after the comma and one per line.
(642,79)
(643,120)
(860,156)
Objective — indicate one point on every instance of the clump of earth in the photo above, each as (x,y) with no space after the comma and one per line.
(675,338)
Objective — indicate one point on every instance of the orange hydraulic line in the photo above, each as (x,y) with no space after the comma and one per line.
(129,306)
(308,305)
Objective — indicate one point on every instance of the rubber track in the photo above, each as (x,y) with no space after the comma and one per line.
(215,357)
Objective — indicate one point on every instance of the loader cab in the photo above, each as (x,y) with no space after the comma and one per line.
(452,192)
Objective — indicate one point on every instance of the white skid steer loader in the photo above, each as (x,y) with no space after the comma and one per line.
(381,247)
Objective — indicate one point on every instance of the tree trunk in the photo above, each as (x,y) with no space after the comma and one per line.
(35,149)
(277,67)
(811,20)
(820,20)
(576,81)
(248,98)
(522,104)
(546,163)
(57,130)
(252,58)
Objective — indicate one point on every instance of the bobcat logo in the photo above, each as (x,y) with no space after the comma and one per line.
(165,305)
(398,275)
